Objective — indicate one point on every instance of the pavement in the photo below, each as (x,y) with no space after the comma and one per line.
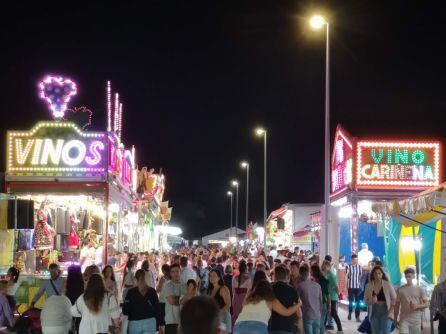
(351,326)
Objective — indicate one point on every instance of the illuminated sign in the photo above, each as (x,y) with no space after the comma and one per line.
(57,92)
(56,148)
(397,164)
(342,162)
(121,162)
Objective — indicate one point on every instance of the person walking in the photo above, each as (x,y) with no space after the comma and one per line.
(333,292)
(286,295)
(311,295)
(437,305)
(96,307)
(74,288)
(257,310)
(150,276)
(52,286)
(241,285)
(380,297)
(410,301)
(186,272)
(326,300)
(220,292)
(141,306)
(56,315)
(354,277)
(110,281)
(200,315)
(172,292)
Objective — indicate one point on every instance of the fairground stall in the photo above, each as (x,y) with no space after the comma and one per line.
(289,226)
(417,236)
(81,184)
(366,172)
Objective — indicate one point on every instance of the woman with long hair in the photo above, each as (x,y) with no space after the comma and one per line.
(74,287)
(257,310)
(323,282)
(258,276)
(128,279)
(220,292)
(110,281)
(241,284)
(380,296)
(141,306)
(96,307)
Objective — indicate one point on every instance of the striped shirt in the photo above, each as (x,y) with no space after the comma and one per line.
(354,273)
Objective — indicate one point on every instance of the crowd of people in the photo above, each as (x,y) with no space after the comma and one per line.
(213,290)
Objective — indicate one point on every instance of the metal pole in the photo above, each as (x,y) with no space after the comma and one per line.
(247,195)
(264,192)
(236,213)
(230,230)
(327,142)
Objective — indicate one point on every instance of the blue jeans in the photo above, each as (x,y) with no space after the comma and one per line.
(311,326)
(145,326)
(280,332)
(323,316)
(379,319)
(250,327)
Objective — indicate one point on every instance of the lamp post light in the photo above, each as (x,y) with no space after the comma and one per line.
(235,184)
(262,132)
(317,22)
(245,165)
(231,195)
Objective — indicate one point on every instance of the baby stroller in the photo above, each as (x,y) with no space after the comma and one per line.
(29,322)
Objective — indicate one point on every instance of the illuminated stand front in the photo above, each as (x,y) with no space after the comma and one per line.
(365,172)
(84,182)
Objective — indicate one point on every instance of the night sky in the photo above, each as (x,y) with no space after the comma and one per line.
(196,77)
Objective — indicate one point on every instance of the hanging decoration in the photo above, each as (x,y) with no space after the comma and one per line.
(57,92)
(79,115)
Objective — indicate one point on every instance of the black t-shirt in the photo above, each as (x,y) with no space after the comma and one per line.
(288,296)
(139,307)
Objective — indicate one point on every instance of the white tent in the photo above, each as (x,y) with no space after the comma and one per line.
(223,236)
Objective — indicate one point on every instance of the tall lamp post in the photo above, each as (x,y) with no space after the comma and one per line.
(230,194)
(235,184)
(262,132)
(245,165)
(317,22)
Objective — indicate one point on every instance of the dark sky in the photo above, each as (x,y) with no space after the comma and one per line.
(197,77)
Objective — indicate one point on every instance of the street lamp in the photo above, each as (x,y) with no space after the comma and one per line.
(262,132)
(318,22)
(245,165)
(230,194)
(235,184)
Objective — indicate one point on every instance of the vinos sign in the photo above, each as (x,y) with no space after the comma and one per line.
(56,148)
(397,164)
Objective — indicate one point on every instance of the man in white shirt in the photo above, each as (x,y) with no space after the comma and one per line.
(186,272)
(273,252)
(410,300)
(364,255)
(172,291)
(99,254)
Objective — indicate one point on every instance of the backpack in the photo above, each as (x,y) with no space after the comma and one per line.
(29,322)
